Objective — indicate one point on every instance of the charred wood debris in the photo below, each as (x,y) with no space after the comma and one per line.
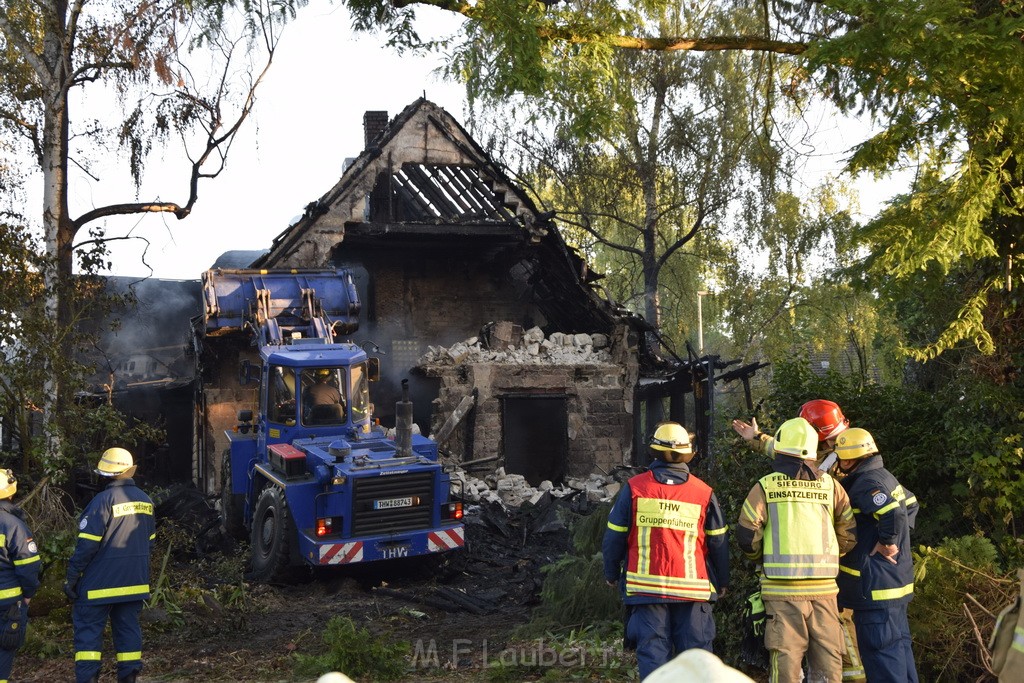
(511,533)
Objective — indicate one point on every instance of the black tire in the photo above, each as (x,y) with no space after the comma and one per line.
(272,537)
(231,504)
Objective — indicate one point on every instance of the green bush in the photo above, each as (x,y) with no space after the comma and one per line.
(355,652)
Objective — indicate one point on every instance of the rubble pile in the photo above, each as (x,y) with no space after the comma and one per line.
(529,347)
(512,490)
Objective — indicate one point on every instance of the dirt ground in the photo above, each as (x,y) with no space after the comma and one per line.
(455,615)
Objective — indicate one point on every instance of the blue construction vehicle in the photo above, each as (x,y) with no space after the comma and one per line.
(309,474)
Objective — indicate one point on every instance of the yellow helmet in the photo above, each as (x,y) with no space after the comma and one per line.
(673,440)
(797,437)
(854,444)
(8,484)
(115,462)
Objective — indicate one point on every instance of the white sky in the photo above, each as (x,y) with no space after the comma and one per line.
(308,119)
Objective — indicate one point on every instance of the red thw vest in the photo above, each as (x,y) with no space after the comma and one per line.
(666,539)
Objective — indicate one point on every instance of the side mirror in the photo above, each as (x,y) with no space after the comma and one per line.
(373,369)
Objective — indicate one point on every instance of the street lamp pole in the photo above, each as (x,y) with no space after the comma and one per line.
(700,321)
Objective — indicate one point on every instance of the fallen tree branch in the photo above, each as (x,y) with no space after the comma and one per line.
(984,654)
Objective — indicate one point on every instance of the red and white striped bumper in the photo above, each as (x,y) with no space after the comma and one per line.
(448,539)
(341,553)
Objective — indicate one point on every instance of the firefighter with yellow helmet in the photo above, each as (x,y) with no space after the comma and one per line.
(19,573)
(876,578)
(829,422)
(108,574)
(668,531)
(797,522)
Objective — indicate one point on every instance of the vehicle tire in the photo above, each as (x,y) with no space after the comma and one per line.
(231,504)
(272,536)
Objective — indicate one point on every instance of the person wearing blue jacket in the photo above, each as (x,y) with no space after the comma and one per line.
(19,567)
(108,574)
(667,542)
(876,578)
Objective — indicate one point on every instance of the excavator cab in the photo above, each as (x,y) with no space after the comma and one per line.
(323,396)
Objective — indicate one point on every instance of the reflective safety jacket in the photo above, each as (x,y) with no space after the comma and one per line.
(114,536)
(797,529)
(668,530)
(19,556)
(885,513)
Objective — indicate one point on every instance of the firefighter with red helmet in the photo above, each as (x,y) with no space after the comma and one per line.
(108,574)
(825,416)
(668,531)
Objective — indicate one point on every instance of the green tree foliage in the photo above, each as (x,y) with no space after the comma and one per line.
(133,54)
(934,75)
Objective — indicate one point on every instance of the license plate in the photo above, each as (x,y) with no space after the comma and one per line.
(388,503)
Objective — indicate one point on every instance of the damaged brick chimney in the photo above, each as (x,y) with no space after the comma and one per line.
(374,123)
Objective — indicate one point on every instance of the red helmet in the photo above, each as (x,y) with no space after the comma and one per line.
(826,417)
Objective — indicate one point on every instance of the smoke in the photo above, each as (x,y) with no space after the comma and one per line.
(149,339)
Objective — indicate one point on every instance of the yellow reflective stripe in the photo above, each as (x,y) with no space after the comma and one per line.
(27,560)
(847,514)
(855,511)
(716,532)
(699,589)
(10,593)
(87,656)
(90,537)
(800,587)
(3,539)
(881,511)
(892,593)
(643,550)
(1018,639)
(116,592)
(748,511)
(613,527)
(667,580)
(129,656)
(152,536)
(848,570)
(853,669)
(910,501)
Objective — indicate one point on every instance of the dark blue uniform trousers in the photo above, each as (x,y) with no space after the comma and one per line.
(663,630)
(89,621)
(884,639)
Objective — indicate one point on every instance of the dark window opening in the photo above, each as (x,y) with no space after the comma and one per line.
(535,436)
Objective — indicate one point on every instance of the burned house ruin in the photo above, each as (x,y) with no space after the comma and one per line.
(514,357)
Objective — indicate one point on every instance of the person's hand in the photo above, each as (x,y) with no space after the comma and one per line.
(71,590)
(747,431)
(612,584)
(888,552)
(722,592)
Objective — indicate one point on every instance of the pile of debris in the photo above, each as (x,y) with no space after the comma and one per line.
(512,490)
(507,343)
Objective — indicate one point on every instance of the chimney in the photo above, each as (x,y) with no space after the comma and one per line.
(374,123)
